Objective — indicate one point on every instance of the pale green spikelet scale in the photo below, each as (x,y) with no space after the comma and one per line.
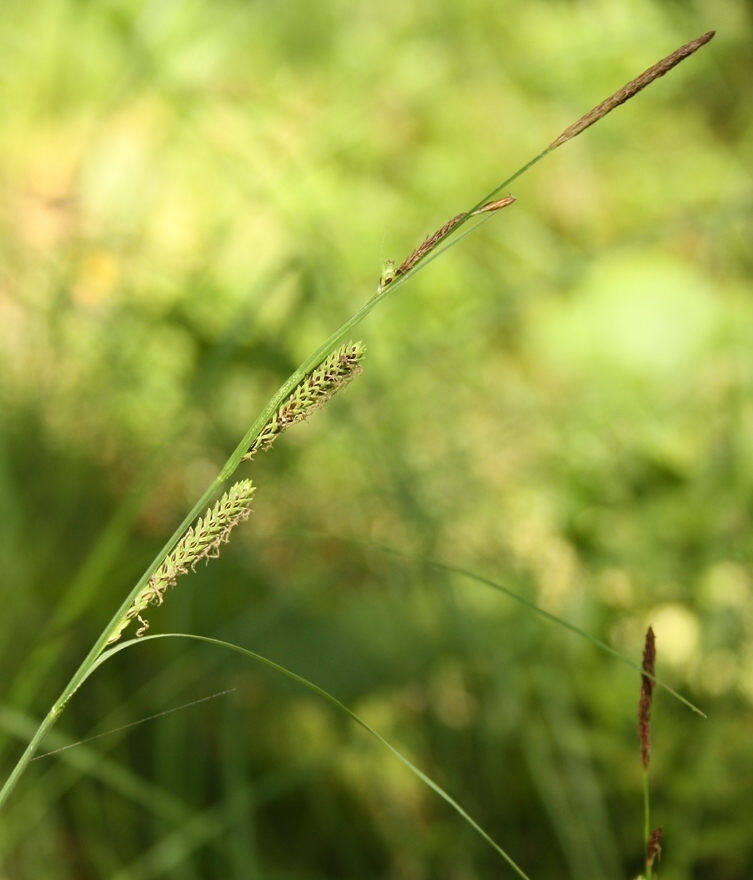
(389,273)
(200,541)
(314,390)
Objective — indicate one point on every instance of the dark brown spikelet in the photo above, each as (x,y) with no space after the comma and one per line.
(632,88)
(491,207)
(433,240)
(653,850)
(429,244)
(647,693)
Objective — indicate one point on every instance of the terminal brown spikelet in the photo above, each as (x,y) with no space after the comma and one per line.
(647,693)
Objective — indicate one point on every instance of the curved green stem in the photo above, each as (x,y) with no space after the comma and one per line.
(313,361)
(325,695)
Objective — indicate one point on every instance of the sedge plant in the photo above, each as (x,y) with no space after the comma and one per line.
(651,836)
(328,369)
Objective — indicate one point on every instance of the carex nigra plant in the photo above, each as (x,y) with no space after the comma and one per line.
(327,370)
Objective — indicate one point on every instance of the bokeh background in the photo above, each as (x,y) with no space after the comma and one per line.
(194,196)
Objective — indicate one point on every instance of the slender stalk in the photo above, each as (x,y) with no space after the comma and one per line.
(418,260)
(647,822)
(644,734)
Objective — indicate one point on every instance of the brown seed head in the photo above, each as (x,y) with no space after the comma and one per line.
(653,850)
(429,244)
(632,88)
(490,207)
(647,691)
(432,241)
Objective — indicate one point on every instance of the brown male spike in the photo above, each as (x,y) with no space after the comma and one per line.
(647,694)
(632,88)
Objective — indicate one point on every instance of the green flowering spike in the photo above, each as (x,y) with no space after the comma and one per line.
(201,541)
(316,389)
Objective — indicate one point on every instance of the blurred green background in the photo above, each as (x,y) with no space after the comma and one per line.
(194,195)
